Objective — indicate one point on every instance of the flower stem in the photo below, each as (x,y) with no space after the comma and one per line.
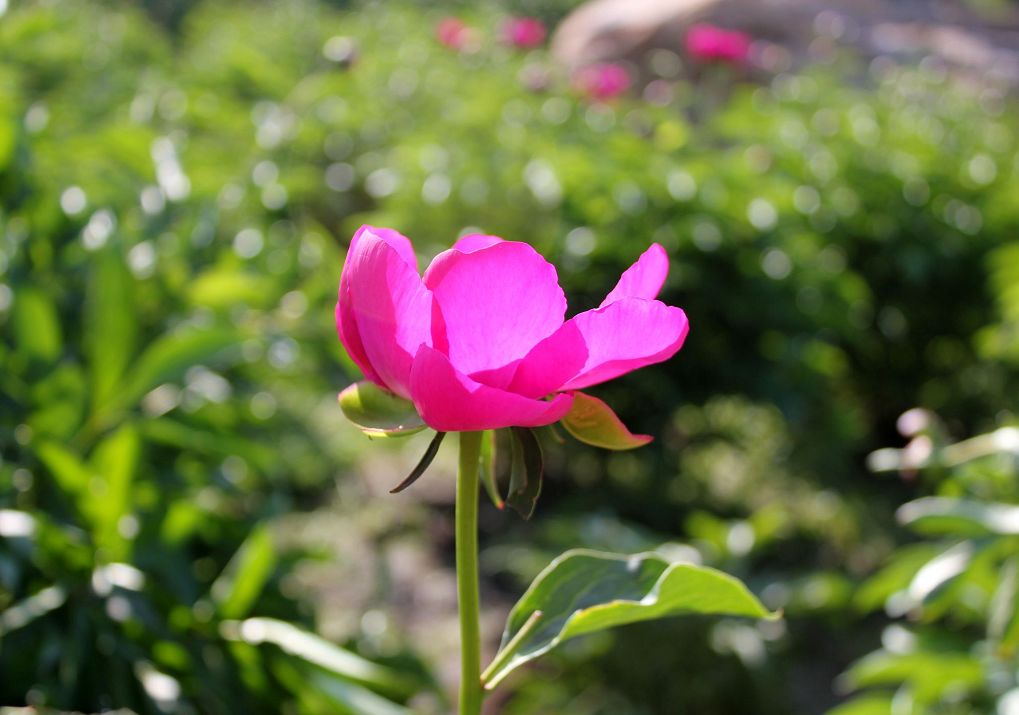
(467,487)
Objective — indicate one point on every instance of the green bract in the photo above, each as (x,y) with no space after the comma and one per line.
(378,413)
(593,422)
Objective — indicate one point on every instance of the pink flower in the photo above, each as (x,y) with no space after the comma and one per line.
(523,32)
(602,82)
(480,341)
(452,33)
(709,43)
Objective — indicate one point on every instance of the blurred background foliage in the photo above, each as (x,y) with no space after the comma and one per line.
(182,507)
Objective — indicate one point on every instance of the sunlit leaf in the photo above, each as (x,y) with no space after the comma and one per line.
(929,673)
(587,591)
(70,472)
(960,517)
(167,359)
(378,413)
(115,461)
(36,325)
(870,704)
(593,422)
(239,586)
(110,325)
(35,606)
(321,653)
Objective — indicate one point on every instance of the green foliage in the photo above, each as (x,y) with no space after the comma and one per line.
(584,592)
(958,650)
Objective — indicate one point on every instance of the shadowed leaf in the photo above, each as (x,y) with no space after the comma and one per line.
(426,461)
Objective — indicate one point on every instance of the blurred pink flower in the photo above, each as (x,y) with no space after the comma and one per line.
(523,32)
(480,341)
(709,43)
(452,33)
(602,82)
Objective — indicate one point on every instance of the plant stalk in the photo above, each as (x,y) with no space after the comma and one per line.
(467,490)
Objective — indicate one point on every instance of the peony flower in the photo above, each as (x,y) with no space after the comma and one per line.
(480,342)
(452,33)
(523,32)
(602,82)
(709,43)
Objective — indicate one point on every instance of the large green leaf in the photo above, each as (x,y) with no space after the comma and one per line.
(379,413)
(586,591)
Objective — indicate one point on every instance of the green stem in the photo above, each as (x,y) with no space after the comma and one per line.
(467,486)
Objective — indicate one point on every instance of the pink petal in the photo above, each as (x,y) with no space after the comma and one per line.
(390,307)
(449,401)
(550,364)
(346,326)
(644,279)
(475,242)
(625,335)
(396,240)
(496,304)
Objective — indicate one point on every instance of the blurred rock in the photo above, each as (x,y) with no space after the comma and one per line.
(791,33)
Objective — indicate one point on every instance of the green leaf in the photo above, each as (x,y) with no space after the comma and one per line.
(426,461)
(526,469)
(70,473)
(929,674)
(587,591)
(32,608)
(488,476)
(593,422)
(167,359)
(171,355)
(227,286)
(206,441)
(1003,616)
(115,461)
(239,586)
(960,517)
(355,699)
(379,413)
(110,325)
(36,325)
(317,651)
(870,704)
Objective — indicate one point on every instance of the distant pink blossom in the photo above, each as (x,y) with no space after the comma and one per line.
(709,43)
(523,32)
(480,341)
(453,33)
(603,81)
